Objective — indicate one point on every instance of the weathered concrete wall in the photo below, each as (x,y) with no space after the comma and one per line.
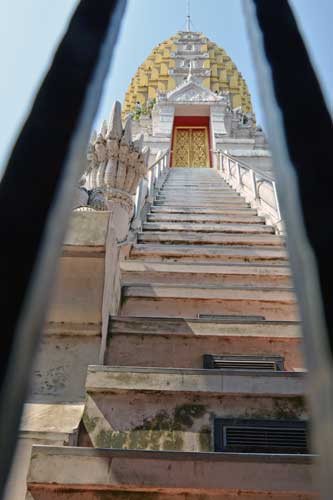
(73,332)
(78,316)
(61,365)
(78,291)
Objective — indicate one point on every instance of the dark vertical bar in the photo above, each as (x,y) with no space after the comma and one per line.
(36,193)
(299,129)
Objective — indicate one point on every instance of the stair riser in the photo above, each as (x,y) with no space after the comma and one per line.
(190,308)
(174,351)
(106,493)
(209,219)
(208,228)
(188,238)
(209,254)
(168,190)
(199,199)
(165,478)
(221,205)
(197,196)
(244,212)
(164,421)
(205,279)
(210,259)
(197,186)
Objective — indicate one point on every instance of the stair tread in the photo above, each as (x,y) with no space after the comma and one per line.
(178,250)
(189,237)
(105,469)
(51,418)
(209,292)
(201,210)
(173,267)
(189,327)
(208,228)
(207,218)
(211,204)
(196,380)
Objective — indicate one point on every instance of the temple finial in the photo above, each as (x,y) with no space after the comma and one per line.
(188,16)
(190,76)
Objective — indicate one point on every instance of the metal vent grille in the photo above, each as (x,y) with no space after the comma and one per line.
(243,362)
(230,317)
(260,436)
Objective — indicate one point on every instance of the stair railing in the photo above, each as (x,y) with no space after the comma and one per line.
(258,189)
(152,181)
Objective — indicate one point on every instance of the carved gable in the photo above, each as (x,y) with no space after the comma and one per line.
(191,91)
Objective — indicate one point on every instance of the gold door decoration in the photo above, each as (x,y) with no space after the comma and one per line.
(190,148)
(181,148)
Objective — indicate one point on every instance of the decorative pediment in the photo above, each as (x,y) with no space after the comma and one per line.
(192,91)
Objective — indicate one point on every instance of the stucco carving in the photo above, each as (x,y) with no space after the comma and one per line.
(116,164)
(191,91)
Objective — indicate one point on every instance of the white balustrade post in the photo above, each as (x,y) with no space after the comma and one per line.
(220,162)
(138,198)
(238,175)
(224,168)
(150,181)
(277,204)
(228,169)
(253,184)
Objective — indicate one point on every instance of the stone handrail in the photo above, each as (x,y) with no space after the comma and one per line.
(152,181)
(258,189)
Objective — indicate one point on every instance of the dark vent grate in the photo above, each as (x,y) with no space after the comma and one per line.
(230,317)
(260,436)
(239,362)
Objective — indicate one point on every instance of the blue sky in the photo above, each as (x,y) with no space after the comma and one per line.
(31,29)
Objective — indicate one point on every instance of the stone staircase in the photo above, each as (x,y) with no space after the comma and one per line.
(206,276)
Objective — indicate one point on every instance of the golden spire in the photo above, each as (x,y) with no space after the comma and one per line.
(168,65)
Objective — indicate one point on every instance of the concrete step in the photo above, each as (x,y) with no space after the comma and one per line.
(196,184)
(73,473)
(174,381)
(206,218)
(200,187)
(209,253)
(175,408)
(44,423)
(240,203)
(188,238)
(210,292)
(213,182)
(189,301)
(214,274)
(196,196)
(239,211)
(182,342)
(208,228)
(198,201)
(166,189)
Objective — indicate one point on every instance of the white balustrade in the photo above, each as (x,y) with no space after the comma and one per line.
(153,181)
(258,190)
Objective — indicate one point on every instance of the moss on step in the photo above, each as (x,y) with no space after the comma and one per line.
(182,419)
(184,415)
(89,422)
(161,432)
(205,439)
